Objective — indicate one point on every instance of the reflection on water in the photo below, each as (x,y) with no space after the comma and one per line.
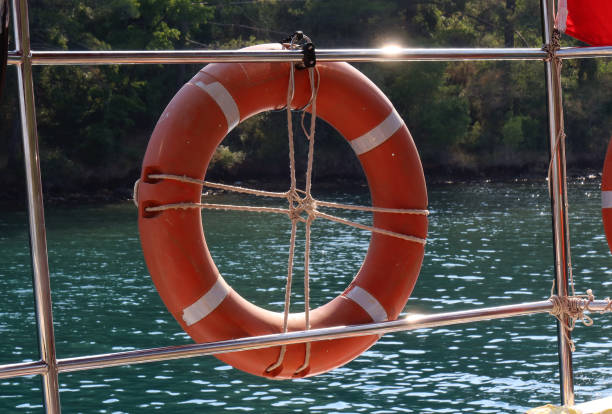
(489,244)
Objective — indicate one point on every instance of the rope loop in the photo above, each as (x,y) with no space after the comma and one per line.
(293,42)
(135,192)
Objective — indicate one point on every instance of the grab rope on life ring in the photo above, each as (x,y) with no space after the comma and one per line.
(194,123)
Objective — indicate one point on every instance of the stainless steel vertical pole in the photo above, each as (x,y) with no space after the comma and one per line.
(558,183)
(38,240)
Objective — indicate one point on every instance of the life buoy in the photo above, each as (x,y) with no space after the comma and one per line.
(606,195)
(196,120)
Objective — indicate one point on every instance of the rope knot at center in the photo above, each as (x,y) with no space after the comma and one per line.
(299,205)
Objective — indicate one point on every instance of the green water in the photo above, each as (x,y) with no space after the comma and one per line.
(489,244)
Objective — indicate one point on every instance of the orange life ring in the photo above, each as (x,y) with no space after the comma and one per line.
(606,195)
(196,120)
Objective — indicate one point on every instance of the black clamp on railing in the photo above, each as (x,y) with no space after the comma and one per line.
(300,40)
(310,58)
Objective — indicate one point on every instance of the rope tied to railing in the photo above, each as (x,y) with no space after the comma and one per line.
(556,62)
(571,309)
(567,309)
(557,65)
(553,47)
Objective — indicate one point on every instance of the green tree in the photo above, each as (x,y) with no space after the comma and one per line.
(94,122)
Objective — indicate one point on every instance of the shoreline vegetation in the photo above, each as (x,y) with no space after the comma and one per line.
(471,121)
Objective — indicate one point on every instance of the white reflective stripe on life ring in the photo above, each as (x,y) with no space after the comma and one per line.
(606,199)
(368,302)
(378,134)
(225,101)
(561,18)
(202,307)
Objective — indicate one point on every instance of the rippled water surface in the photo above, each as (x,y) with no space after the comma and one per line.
(489,244)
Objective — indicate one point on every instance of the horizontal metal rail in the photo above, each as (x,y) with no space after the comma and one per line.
(203,56)
(410,322)
(23,369)
(347,55)
(584,52)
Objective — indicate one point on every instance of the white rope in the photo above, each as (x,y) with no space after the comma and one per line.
(283,349)
(372,229)
(288,212)
(557,65)
(298,205)
(226,207)
(226,187)
(373,209)
(292,197)
(309,201)
(286,195)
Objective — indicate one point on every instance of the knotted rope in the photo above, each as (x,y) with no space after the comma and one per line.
(292,196)
(570,309)
(557,64)
(297,206)
(567,309)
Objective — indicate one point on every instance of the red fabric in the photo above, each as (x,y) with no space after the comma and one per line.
(590,21)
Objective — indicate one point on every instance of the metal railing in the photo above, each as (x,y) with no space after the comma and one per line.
(49,366)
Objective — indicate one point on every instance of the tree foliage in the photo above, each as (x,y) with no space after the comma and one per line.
(466,117)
